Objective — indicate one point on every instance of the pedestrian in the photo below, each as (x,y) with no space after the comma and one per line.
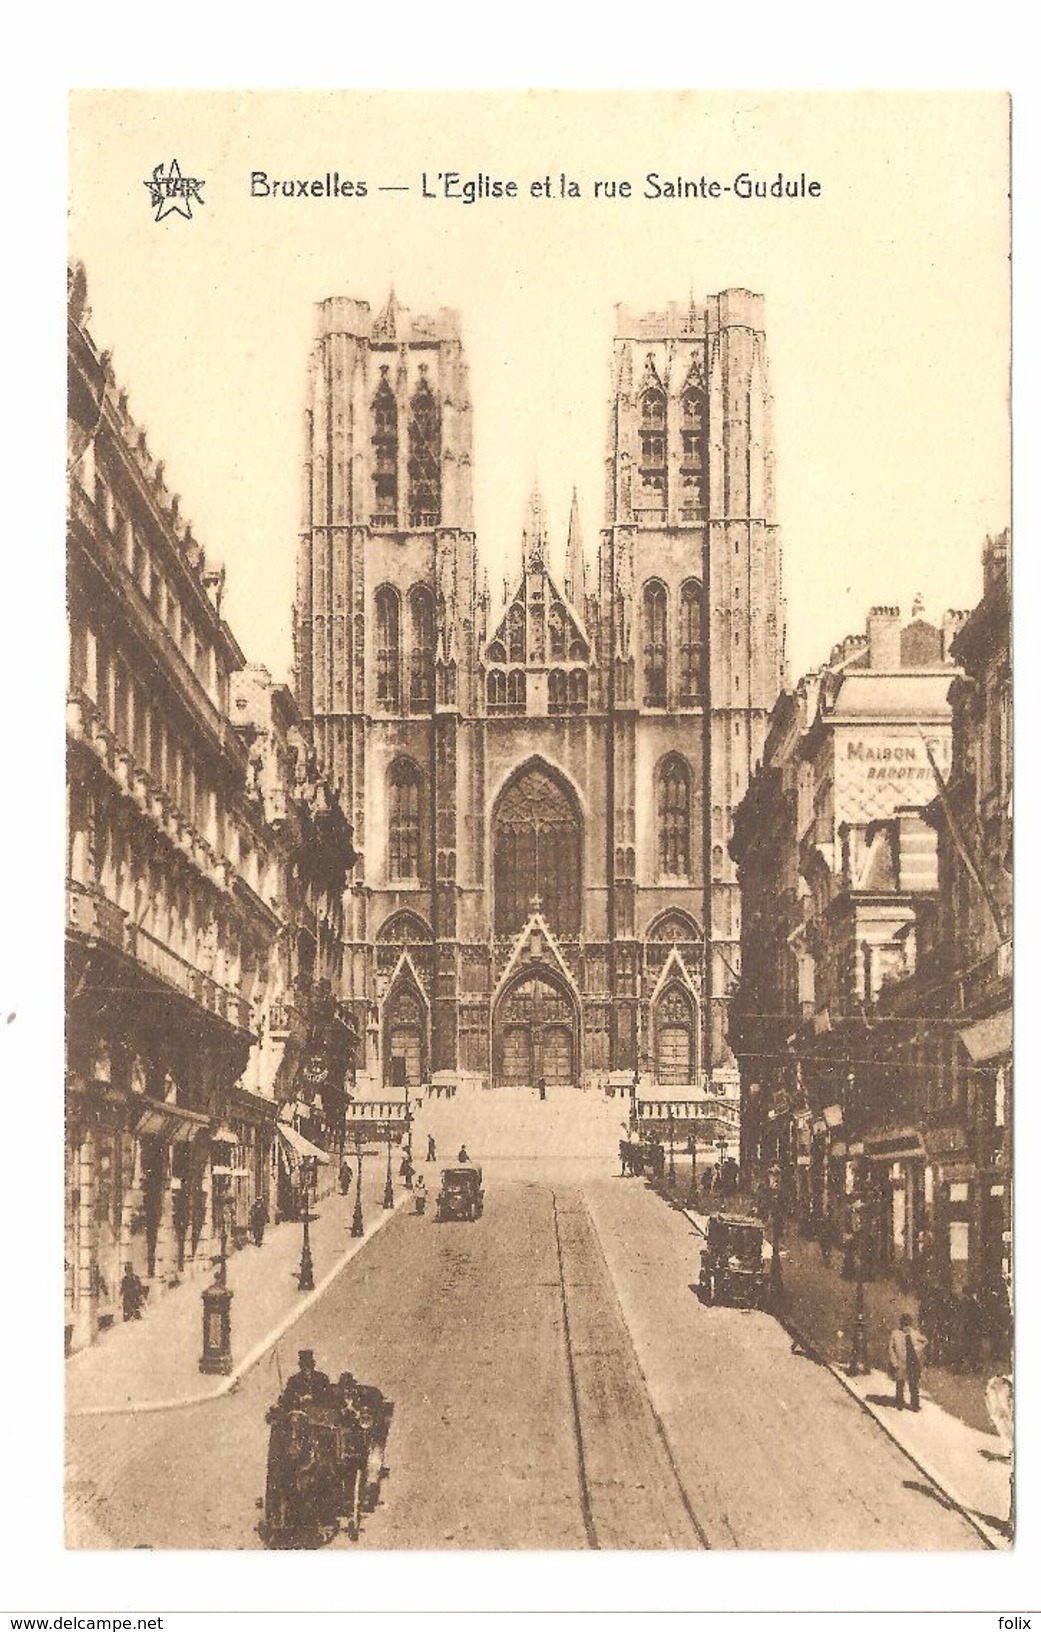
(464,1155)
(906,1348)
(133,1292)
(345,1177)
(542,1087)
(431,1148)
(258,1217)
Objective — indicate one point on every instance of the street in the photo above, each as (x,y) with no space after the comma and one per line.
(556,1384)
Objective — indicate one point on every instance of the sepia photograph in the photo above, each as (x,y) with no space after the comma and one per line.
(538,865)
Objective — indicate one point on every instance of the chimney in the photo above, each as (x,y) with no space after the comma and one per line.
(883,635)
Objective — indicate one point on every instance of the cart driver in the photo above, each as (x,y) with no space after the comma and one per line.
(306,1384)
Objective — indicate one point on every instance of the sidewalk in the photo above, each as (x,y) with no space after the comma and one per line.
(153,1364)
(951,1438)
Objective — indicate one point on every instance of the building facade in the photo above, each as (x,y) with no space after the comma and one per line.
(838,863)
(948,1034)
(205,867)
(541,790)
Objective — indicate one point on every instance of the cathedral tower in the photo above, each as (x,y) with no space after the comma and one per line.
(384,618)
(690,581)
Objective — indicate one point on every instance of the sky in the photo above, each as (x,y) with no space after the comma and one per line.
(887,306)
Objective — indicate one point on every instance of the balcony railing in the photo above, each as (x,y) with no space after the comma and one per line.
(89,912)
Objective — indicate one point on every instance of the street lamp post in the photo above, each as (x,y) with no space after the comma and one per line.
(692,1195)
(305,1279)
(776,1287)
(388,1188)
(858,1364)
(357,1227)
(672,1153)
(408,1142)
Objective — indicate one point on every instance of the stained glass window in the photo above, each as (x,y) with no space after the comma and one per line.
(421,687)
(538,854)
(388,647)
(690,642)
(406,789)
(655,636)
(674,818)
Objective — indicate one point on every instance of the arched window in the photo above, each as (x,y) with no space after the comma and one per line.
(577,691)
(421,683)
(406,797)
(690,642)
(675,1054)
(557,691)
(655,636)
(674,818)
(516,691)
(557,632)
(384,453)
(537,845)
(692,450)
(652,440)
(515,633)
(424,456)
(388,647)
(496,692)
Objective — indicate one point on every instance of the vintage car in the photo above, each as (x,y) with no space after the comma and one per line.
(460,1195)
(734,1262)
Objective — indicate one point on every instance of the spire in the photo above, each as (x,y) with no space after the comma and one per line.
(535,533)
(386,325)
(575,569)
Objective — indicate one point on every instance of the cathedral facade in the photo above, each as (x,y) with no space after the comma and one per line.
(541,790)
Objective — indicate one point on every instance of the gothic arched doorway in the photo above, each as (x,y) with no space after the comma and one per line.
(536,1033)
(675,1037)
(404,1053)
(537,845)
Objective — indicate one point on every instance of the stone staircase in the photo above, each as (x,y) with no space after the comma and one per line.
(513,1124)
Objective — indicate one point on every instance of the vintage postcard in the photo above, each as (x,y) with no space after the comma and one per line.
(539,845)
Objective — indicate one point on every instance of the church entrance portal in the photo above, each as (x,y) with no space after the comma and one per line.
(536,1034)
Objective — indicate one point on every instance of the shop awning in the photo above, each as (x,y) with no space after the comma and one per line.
(894,1145)
(989,1038)
(166,1120)
(301,1146)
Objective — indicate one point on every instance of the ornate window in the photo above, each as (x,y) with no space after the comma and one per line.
(384,454)
(424,456)
(515,633)
(538,854)
(690,642)
(674,818)
(577,691)
(421,683)
(655,637)
(652,440)
(516,691)
(406,797)
(388,647)
(496,692)
(692,450)
(558,632)
(557,691)
(674,1037)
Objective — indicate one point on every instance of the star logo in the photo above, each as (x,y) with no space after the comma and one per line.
(172,193)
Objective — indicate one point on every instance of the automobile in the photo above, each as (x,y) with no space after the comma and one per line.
(460,1195)
(734,1262)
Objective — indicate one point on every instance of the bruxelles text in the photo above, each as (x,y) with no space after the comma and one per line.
(453,186)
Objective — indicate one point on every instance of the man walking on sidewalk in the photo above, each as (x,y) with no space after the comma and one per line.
(906,1348)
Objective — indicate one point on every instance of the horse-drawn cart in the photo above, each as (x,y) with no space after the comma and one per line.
(325,1462)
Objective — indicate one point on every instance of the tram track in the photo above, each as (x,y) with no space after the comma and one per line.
(630,1491)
